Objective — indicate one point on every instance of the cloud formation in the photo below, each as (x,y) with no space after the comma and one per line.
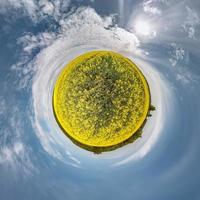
(36,10)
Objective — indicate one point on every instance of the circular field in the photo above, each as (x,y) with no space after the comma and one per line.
(101,99)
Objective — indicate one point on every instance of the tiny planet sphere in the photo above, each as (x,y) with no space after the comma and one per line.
(101,101)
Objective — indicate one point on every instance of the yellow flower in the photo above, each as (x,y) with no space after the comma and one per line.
(100,100)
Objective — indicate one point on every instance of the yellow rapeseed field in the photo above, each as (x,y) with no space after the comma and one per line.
(101,99)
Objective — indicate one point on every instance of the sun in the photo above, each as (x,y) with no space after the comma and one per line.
(100,100)
(144,28)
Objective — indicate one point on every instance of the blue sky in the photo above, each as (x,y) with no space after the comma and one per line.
(38,38)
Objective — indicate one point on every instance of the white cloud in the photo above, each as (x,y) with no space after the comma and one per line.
(2,106)
(191,23)
(96,29)
(10,154)
(47,7)
(24,66)
(178,54)
(27,7)
(34,9)
(14,153)
(151,8)
(41,40)
(182,78)
(16,156)
(179,59)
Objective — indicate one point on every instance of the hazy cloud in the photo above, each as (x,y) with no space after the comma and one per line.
(150,6)
(191,23)
(36,10)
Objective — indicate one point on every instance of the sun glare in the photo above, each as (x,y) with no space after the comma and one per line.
(143,28)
